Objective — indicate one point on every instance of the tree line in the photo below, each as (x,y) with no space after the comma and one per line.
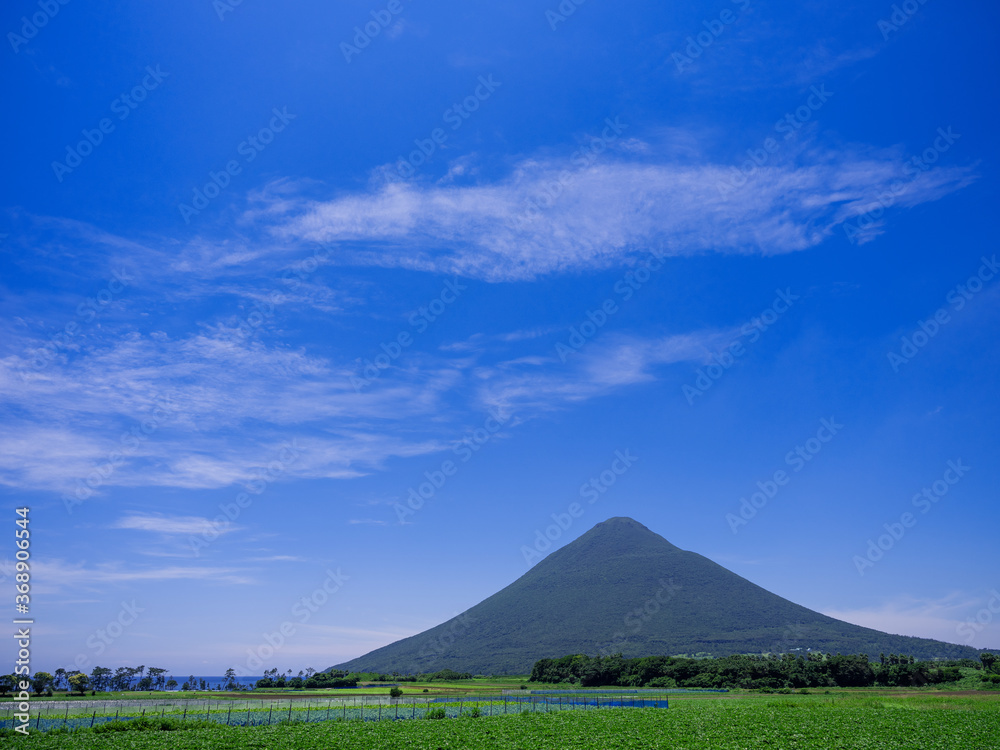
(758,672)
(335,678)
(101,679)
(143,678)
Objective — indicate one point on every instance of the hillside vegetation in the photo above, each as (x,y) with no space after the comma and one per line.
(620,588)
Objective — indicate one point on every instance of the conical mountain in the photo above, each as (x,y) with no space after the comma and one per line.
(622,588)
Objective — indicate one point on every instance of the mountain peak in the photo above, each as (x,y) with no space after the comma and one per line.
(621,587)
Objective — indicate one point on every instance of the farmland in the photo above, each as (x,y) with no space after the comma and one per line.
(835,721)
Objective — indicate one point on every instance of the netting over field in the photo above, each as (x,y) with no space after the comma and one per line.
(49,715)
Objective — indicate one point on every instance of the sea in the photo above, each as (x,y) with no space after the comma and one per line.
(214,681)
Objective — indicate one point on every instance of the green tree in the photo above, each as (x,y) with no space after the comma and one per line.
(78,682)
(41,682)
(155,674)
(60,679)
(230,683)
(171,684)
(991,662)
(100,677)
(8,683)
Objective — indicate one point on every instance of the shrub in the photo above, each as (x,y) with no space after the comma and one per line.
(425,690)
(434,713)
(395,692)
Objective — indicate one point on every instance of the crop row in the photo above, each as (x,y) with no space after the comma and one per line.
(699,725)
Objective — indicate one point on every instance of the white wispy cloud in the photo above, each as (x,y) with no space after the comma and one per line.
(58,575)
(106,422)
(538,384)
(945,618)
(606,212)
(170,524)
(151,410)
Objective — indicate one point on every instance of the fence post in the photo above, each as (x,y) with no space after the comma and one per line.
(289,709)
(248,711)
(269,712)
(329,705)
(230,714)
(92,718)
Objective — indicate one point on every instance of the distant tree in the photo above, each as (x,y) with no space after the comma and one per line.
(991,662)
(395,692)
(60,679)
(78,682)
(186,686)
(8,683)
(156,675)
(100,678)
(171,684)
(41,682)
(230,682)
(204,684)
(121,679)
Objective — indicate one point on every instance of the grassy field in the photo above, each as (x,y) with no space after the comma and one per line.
(484,685)
(838,721)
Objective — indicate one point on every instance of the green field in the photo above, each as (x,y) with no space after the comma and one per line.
(862,720)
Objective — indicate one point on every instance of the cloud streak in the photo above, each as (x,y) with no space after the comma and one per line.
(597,216)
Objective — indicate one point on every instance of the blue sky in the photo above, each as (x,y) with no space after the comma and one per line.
(263,274)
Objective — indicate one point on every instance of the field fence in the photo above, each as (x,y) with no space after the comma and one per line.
(70,714)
